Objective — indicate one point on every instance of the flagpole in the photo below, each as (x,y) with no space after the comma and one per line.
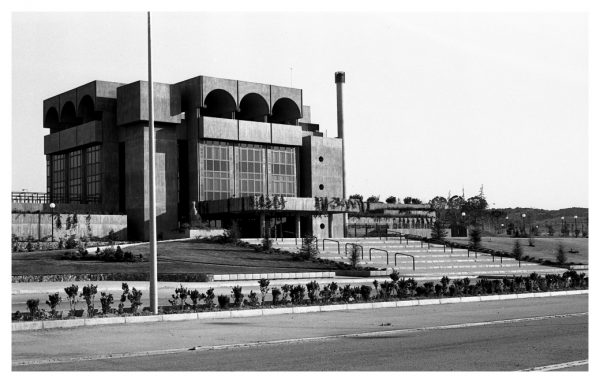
(152,212)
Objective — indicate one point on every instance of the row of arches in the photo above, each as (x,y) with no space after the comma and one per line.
(69,116)
(253,107)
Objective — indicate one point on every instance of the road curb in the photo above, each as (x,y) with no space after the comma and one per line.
(39,325)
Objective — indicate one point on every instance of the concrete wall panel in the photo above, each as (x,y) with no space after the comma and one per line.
(252,131)
(286,134)
(218,128)
(68,138)
(51,143)
(40,225)
(107,89)
(88,89)
(89,133)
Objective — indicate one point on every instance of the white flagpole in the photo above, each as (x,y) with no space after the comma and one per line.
(152,212)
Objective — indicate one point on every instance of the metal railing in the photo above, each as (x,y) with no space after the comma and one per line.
(373,248)
(331,240)
(406,255)
(356,245)
(30,197)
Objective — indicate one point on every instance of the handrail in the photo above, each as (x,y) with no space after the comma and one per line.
(407,255)
(353,244)
(331,240)
(374,248)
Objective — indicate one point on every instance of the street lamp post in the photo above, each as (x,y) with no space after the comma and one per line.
(52,206)
(506,225)
(463,214)
(562,226)
(575,226)
(523,220)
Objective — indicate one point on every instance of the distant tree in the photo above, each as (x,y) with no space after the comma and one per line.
(550,229)
(373,199)
(391,199)
(561,256)
(412,201)
(439,204)
(475,238)
(517,251)
(438,230)
(356,196)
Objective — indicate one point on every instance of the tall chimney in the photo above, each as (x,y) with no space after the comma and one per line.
(340,78)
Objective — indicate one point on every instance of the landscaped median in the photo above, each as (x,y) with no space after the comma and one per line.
(389,294)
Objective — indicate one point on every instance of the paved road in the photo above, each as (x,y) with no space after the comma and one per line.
(520,334)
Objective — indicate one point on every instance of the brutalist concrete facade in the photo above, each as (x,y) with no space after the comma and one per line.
(216,139)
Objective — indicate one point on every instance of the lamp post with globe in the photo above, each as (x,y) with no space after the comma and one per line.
(52,206)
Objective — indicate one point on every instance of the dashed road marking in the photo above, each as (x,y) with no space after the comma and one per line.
(558,366)
(288,341)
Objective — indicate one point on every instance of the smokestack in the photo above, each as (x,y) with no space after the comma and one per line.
(340,78)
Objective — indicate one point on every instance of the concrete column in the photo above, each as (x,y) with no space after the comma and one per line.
(297,231)
(262,224)
(330,225)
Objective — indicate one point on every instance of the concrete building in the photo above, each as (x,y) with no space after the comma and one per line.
(226,151)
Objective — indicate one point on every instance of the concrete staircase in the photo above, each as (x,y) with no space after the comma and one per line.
(430,260)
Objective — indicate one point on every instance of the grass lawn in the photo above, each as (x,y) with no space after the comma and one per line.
(545,248)
(173,257)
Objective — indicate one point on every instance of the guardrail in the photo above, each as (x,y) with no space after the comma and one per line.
(331,240)
(374,248)
(407,255)
(356,245)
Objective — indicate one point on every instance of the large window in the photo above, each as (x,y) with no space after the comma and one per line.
(283,171)
(75,175)
(58,178)
(251,161)
(216,170)
(93,177)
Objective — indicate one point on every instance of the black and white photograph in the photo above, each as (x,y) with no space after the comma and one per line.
(259,187)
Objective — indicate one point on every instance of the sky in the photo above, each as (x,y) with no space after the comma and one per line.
(434,102)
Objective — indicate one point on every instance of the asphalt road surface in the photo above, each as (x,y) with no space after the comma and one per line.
(543,333)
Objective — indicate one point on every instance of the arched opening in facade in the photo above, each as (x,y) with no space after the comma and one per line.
(219,103)
(51,121)
(285,111)
(68,117)
(253,107)
(86,110)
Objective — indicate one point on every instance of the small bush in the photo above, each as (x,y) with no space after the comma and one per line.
(286,291)
(180,296)
(88,293)
(124,295)
(53,301)
(346,293)
(135,298)
(253,299)
(310,247)
(263,285)
(33,307)
(195,297)
(223,301)
(105,301)
(354,256)
(445,281)
(365,292)
(72,297)
(276,293)
(238,297)
(209,298)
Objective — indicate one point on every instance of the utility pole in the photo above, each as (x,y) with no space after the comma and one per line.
(152,212)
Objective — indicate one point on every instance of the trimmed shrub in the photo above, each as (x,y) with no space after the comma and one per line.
(135,298)
(209,298)
(297,294)
(365,292)
(223,301)
(263,285)
(253,299)
(33,307)
(561,256)
(72,297)
(313,291)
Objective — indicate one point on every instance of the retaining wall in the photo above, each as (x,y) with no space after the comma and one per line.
(39,225)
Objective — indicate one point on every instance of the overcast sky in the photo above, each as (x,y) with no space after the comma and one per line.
(434,102)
